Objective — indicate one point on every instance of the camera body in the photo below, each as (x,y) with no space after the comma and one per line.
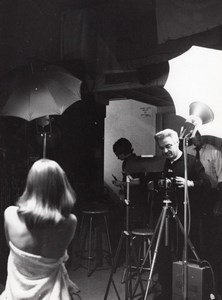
(167,182)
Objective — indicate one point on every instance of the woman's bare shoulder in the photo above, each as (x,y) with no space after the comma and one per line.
(11,208)
(71,221)
(71,224)
(72,218)
(14,227)
(10,212)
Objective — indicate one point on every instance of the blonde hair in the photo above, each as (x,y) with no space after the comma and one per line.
(48,197)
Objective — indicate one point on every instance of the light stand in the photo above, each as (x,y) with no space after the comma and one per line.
(186,203)
(200,114)
(129,248)
(44,128)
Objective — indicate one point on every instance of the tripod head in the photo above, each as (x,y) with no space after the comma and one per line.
(166,199)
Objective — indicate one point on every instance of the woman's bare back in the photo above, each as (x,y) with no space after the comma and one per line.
(51,241)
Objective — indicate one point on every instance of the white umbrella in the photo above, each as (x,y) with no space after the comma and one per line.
(30,94)
(196,75)
(33,94)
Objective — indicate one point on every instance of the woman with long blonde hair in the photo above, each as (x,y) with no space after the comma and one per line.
(38,230)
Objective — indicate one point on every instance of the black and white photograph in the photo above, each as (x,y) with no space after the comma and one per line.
(111,150)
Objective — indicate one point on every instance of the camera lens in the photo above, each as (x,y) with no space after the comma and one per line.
(165,183)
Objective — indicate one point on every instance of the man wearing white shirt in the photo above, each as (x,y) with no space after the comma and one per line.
(211,158)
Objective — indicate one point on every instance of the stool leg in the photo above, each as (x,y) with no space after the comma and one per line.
(90,245)
(81,239)
(139,241)
(108,240)
(141,249)
(99,244)
(150,254)
(144,247)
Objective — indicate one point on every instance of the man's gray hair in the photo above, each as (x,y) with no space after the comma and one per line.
(166,133)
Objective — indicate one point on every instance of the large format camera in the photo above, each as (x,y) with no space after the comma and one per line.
(168,181)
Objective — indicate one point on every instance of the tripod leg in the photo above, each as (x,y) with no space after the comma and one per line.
(114,268)
(192,248)
(156,250)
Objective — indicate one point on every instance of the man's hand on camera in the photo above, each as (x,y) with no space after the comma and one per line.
(180,182)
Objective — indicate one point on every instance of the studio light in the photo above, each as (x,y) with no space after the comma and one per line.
(200,114)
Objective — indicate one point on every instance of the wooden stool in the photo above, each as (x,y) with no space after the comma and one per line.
(141,240)
(93,221)
(144,235)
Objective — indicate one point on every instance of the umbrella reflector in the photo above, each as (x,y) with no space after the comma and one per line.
(33,95)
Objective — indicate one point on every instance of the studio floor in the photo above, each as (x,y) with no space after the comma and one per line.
(95,287)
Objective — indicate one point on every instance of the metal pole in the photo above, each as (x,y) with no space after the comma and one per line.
(185,267)
(44,144)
